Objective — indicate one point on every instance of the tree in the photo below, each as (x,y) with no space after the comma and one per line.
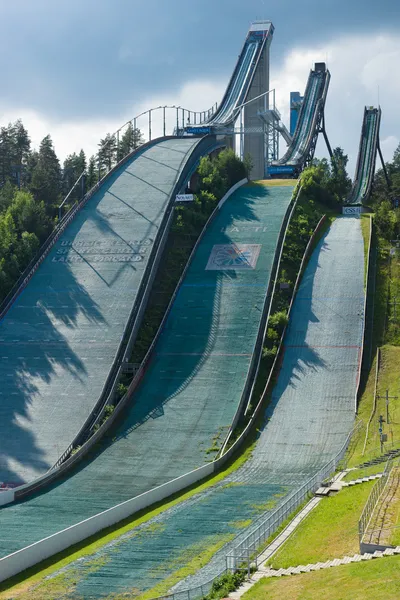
(22,146)
(130,140)
(29,215)
(385,220)
(46,177)
(92,174)
(14,151)
(339,181)
(6,195)
(6,153)
(107,153)
(74,166)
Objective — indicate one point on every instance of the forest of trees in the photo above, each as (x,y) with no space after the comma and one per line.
(385,202)
(33,183)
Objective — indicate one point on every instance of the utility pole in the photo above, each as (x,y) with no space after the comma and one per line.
(381,422)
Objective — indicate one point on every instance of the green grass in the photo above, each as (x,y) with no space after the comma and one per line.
(330,531)
(364,472)
(274,182)
(366,231)
(387,379)
(377,579)
(392,334)
(196,563)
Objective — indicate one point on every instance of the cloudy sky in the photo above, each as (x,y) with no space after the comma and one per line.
(79,68)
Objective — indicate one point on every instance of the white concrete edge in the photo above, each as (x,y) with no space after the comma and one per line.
(231,191)
(6,496)
(35,553)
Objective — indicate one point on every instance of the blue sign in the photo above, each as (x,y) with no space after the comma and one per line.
(198,130)
(280,170)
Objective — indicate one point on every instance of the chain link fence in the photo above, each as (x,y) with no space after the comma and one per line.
(248,550)
(246,553)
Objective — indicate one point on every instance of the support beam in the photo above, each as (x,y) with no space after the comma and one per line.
(389,184)
(323,131)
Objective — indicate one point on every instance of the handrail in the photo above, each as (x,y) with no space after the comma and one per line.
(69,193)
(373,500)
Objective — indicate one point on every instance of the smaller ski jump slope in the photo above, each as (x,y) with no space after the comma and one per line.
(311,414)
(191,391)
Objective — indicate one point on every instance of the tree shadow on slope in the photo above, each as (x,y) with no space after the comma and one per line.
(45,337)
(123,455)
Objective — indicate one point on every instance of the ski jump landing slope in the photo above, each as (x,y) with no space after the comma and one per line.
(59,338)
(311,414)
(192,389)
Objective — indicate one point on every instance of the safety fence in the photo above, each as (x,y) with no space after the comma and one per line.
(109,155)
(372,501)
(246,553)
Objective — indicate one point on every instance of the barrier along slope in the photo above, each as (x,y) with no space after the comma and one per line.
(194,382)
(60,336)
(306,424)
(366,162)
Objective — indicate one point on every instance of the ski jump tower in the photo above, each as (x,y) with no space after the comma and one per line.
(254,137)
(248,107)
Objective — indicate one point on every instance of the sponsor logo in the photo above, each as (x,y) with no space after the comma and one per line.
(228,257)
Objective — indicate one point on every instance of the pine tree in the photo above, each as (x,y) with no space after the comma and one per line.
(107,153)
(6,153)
(92,173)
(22,147)
(339,183)
(130,140)
(74,166)
(46,177)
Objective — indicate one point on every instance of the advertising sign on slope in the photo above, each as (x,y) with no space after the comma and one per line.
(185,198)
(352,210)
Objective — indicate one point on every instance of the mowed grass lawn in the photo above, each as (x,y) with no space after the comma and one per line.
(388,379)
(330,531)
(364,472)
(376,579)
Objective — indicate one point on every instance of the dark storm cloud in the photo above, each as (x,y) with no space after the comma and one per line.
(80,58)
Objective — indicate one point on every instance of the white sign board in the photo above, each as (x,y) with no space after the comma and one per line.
(352,210)
(185,198)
